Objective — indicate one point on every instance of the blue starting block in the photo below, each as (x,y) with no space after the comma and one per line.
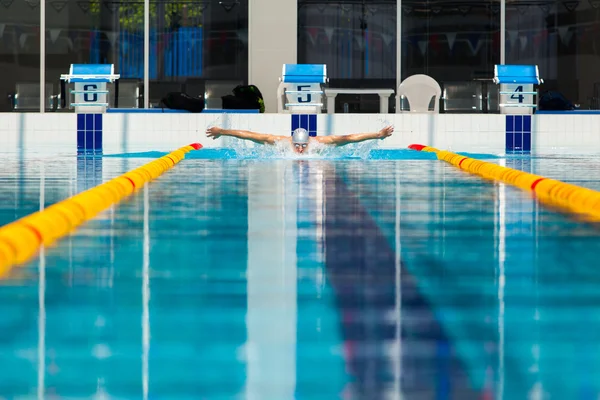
(300,89)
(91,93)
(518,94)
(91,101)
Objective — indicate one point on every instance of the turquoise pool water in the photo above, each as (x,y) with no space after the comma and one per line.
(391,277)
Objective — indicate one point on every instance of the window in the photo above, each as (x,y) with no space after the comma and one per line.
(562,39)
(357,42)
(198,47)
(457,44)
(20,55)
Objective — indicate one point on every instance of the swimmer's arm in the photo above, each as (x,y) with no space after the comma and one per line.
(260,138)
(341,140)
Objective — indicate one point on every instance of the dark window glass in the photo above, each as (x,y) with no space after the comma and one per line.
(357,42)
(457,44)
(563,39)
(95,32)
(198,47)
(20,55)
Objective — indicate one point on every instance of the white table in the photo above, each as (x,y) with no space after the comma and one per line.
(384,95)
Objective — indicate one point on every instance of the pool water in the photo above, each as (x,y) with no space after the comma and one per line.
(381,278)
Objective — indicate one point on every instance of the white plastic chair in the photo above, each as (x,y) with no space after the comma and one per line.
(419,89)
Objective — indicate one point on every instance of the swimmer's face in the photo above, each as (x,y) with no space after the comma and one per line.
(300,147)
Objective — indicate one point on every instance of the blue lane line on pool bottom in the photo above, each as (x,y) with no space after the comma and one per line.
(361,267)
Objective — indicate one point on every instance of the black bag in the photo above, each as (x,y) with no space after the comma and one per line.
(554,101)
(182,101)
(245,97)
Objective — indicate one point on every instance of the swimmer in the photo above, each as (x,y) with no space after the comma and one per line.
(300,138)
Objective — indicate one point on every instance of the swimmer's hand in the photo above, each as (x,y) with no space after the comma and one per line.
(385,132)
(214,132)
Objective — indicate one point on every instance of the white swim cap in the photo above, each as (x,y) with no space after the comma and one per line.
(300,135)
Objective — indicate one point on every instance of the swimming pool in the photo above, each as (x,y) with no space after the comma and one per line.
(303,278)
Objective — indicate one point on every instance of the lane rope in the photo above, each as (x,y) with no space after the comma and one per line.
(576,199)
(21,240)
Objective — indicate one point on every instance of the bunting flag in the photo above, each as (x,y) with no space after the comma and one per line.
(595,4)
(513,36)
(523,41)
(22,39)
(58,5)
(54,34)
(422,46)
(406,10)
(571,5)
(312,34)
(495,7)
(545,8)
(474,43)
(112,38)
(329,34)
(2,26)
(464,10)
(111,6)
(32,3)
(84,5)
(321,7)
(522,9)
(6,3)
(565,35)
(540,38)
(387,39)
(451,38)
(436,9)
(359,41)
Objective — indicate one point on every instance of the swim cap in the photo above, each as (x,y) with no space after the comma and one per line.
(300,135)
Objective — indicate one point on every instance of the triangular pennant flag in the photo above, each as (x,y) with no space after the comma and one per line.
(32,3)
(6,3)
(571,5)
(495,7)
(2,26)
(84,5)
(595,4)
(436,9)
(54,34)
(359,42)
(464,10)
(111,6)
(406,9)
(372,9)
(387,39)
(329,34)
(474,43)
(523,40)
(565,34)
(58,5)
(513,36)
(451,38)
(321,7)
(545,8)
(226,6)
(540,37)
(522,9)
(22,39)
(112,38)
(423,46)
(312,34)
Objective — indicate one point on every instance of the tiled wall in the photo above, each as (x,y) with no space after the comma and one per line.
(117,133)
